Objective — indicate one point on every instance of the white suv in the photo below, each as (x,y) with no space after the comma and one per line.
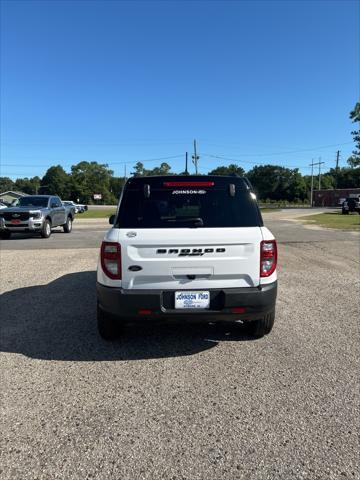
(187,247)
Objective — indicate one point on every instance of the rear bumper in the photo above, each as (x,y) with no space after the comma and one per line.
(126,304)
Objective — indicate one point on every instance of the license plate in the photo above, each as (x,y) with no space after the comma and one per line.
(15,222)
(192,299)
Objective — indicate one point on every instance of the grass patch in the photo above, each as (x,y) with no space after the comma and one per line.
(265,210)
(98,213)
(334,220)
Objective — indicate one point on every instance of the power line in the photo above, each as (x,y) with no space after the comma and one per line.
(203,168)
(249,162)
(127,162)
(225,157)
(281,153)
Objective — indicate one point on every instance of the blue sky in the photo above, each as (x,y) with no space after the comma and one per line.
(116,81)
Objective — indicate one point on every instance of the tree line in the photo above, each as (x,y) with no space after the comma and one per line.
(271,182)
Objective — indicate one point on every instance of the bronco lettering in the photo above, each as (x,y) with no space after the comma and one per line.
(184,252)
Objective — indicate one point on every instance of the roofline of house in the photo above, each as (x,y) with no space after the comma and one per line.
(21,194)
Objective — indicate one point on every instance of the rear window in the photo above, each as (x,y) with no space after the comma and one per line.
(187,206)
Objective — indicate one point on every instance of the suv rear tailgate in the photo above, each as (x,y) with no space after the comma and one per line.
(182,259)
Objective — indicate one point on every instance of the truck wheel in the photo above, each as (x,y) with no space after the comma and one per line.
(46,229)
(5,235)
(259,328)
(67,227)
(108,326)
(345,212)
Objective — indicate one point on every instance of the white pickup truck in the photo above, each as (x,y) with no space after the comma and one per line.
(187,248)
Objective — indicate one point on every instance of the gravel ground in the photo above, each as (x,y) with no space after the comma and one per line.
(180,402)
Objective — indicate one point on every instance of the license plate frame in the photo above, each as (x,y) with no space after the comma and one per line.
(15,221)
(192,299)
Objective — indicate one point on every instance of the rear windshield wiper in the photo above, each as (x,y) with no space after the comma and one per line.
(195,221)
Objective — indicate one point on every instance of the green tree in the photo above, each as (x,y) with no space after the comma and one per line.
(327,181)
(55,182)
(164,169)
(88,178)
(349,178)
(231,169)
(30,186)
(346,178)
(117,185)
(6,184)
(139,170)
(354,160)
(277,183)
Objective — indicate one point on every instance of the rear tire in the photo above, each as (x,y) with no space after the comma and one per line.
(46,229)
(108,326)
(5,235)
(345,212)
(259,328)
(67,227)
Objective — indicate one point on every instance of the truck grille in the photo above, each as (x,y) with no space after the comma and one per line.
(8,216)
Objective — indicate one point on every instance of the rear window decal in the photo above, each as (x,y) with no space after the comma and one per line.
(188,192)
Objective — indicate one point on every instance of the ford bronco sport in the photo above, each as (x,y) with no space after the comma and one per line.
(187,247)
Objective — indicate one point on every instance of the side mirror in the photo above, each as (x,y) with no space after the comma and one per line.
(112,219)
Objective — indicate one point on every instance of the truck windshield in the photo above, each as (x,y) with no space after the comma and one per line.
(188,208)
(33,201)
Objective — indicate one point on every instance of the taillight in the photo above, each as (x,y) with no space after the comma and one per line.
(111,259)
(268,257)
(189,184)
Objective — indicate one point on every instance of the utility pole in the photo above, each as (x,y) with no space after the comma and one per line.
(337,168)
(195,158)
(312,165)
(186,164)
(125,171)
(337,159)
(319,163)
(312,182)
